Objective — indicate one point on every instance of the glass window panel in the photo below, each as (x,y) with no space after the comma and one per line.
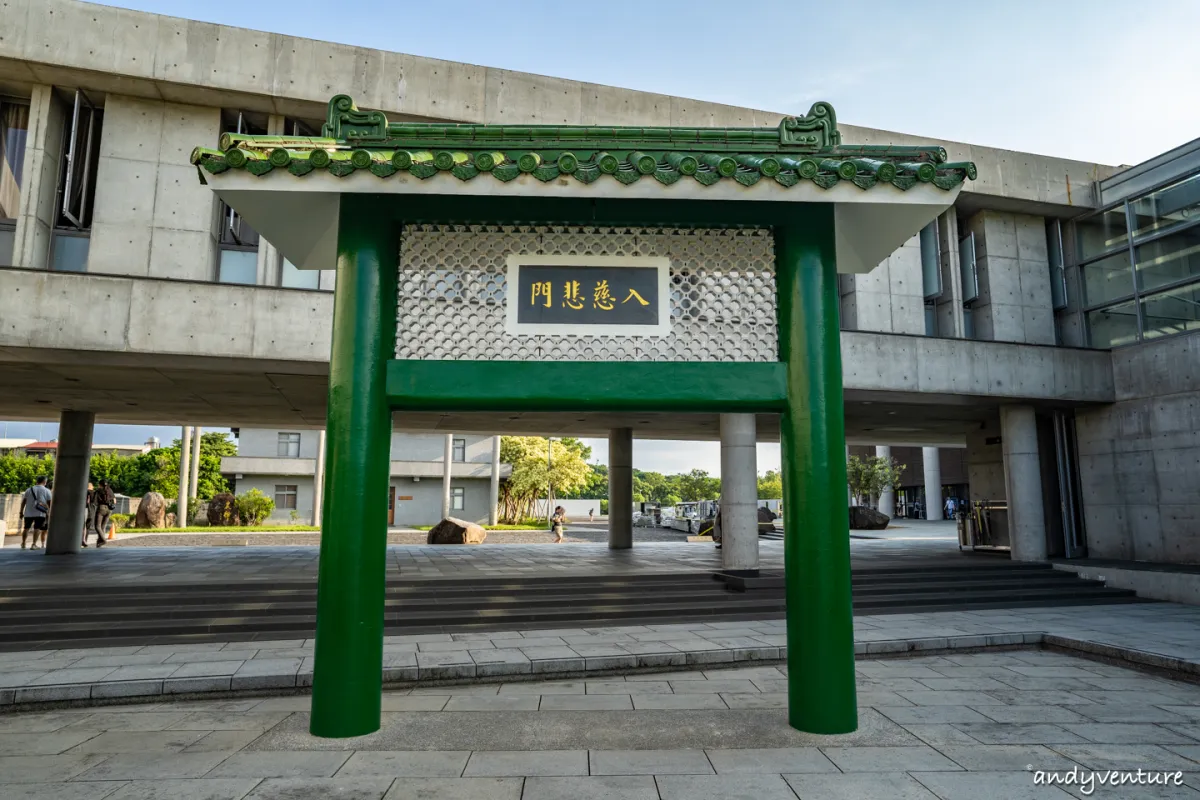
(966,263)
(931,268)
(1170,312)
(460,450)
(69,253)
(289,445)
(7,239)
(1161,210)
(1100,233)
(458,498)
(1173,258)
(300,278)
(14,127)
(968,323)
(1107,279)
(1113,326)
(239,266)
(930,319)
(1058,278)
(285,496)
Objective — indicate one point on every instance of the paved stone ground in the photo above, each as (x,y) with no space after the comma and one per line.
(948,727)
(130,565)
(1160,635)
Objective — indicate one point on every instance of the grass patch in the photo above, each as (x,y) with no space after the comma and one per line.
(225,529)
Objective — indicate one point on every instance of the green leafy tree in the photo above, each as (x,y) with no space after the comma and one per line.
(698,485)
(770,485)
(531,475)
(871,476)
(18,471)
(596,487)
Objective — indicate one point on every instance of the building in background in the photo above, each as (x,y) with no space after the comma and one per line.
(282,463)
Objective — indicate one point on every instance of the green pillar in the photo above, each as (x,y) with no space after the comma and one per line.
(820,626)
(348,668)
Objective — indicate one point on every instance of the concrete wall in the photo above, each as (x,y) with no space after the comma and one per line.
(1014,303)
(263,443)
(1140,457)
(424,508)
(44,152)
(985,463)
(152,217)
(890,298)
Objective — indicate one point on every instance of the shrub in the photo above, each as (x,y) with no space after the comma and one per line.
(223,510)
(254,507)
(603,506)
(121,520)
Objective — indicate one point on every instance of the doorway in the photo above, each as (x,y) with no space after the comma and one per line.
(391,506)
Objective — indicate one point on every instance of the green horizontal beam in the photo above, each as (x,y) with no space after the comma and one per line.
(571,386)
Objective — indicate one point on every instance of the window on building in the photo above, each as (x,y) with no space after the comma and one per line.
(238,261)
(1139,264)
(931,262)
(460,449)
(14,127)
(458,498)
(285,496)
(289,445)
(970,282)
(76,190)
(931,326)
(1058,273)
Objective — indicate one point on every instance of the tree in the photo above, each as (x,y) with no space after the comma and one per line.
(596,487)
(770,485)
(871,476)
(18,471)
(532,476)
(698,485)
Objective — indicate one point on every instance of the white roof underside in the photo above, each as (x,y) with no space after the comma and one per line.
(299,216)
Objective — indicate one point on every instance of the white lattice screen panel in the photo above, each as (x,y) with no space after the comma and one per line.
(453,284)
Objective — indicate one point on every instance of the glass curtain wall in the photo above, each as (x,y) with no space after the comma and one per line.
(1139,265)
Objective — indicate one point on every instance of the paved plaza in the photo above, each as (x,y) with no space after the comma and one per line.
(928,542)
(965,726)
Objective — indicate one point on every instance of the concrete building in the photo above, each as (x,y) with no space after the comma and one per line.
(1045,324)
(282,464)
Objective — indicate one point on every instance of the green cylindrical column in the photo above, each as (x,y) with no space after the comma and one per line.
(820,626)
(348,668)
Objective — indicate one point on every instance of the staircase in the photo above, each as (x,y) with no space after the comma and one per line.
(54,617)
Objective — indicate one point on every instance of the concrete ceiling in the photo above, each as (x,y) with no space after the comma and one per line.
(224,392)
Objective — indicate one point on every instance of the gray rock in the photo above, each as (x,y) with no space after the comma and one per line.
(867,519)
(151,511)
(456,531)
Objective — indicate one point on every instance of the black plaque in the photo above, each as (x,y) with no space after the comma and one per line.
(552,294)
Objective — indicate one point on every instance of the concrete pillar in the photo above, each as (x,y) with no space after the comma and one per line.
(620,488)
(739,493)
(448,463)
(68,508)
(319,479)
(494,488)
(887,498)
(194,476)
(933,482)
(1023,483)
(181,501)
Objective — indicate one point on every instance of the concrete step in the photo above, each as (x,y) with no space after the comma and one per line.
(235,611)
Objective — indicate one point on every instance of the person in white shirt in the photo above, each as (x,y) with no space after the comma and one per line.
(35,508)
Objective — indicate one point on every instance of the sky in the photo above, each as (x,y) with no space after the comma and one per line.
(1106,81)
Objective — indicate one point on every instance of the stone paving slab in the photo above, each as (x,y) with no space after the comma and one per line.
(157,750)
(1161,635)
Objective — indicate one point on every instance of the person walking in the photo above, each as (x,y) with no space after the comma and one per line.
(557,523)
(591,515)
(89,521)
(104,500)
(35,509)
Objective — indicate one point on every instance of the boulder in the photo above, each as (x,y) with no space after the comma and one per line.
(151,511)
(867,519)
(222,510)
(456,531)
(170,519)
(766,520)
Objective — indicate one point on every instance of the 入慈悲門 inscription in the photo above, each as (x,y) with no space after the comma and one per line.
(587,295)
